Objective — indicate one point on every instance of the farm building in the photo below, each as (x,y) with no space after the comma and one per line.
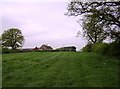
(69,48)
(36,48)
(45,47)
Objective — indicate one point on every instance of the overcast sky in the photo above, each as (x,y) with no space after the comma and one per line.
(42,23)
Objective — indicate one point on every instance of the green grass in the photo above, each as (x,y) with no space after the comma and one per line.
(59,69)
(0,71)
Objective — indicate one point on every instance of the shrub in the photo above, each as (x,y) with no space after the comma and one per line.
(101,48)
(114,49)
(15,51)
(87,48)
(5,50)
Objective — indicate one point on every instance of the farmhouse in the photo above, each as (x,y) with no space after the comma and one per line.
(36,48)
(45,47)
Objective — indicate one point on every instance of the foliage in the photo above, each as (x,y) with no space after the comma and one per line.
(87,48)
(59,69)
(93,30)
(12,38)
(108,13)
(5,50)
(114,49)
(101,48)
(15,51)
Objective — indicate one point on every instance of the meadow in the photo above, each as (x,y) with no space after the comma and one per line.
(0,70)
(59,69)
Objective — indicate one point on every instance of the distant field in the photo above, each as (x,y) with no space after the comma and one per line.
(59,69)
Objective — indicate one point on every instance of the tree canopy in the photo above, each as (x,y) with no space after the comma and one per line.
(12,38)
(107,13)
(93,30)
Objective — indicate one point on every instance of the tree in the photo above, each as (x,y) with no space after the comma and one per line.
(93,30)
(108,13)
(12,38)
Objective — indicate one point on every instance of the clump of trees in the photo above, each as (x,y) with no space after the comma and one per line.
(101,20)
(12,38)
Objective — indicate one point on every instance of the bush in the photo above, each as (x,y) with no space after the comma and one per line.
(15,51)
(114,49)
(87,48)
(101,48)
(5,50)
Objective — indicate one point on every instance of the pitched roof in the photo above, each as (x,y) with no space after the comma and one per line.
(45,47)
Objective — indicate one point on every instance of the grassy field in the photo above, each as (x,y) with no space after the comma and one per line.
(59,69)
(0,70)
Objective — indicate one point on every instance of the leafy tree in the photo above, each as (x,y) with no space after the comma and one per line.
(93,30)
(108,14)
(12,38)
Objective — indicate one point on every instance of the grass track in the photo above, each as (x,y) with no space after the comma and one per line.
(59,69)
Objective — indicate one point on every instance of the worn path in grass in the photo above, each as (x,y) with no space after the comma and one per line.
(59,69)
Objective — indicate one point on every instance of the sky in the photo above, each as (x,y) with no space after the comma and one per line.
(42,23)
